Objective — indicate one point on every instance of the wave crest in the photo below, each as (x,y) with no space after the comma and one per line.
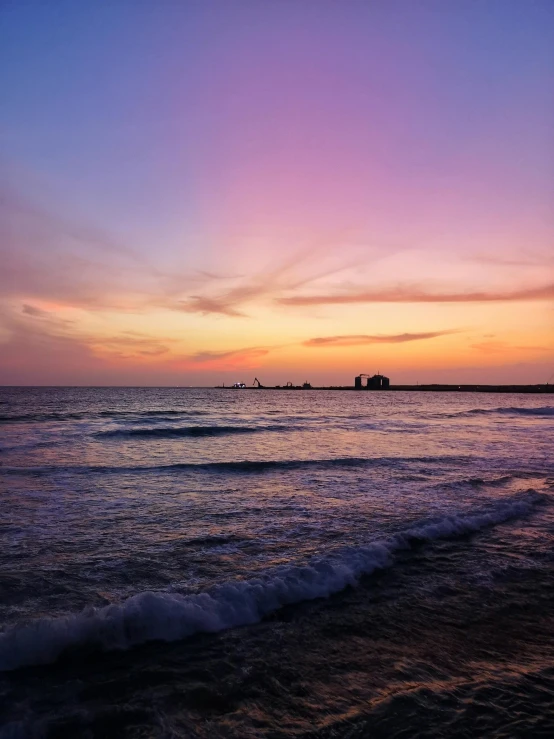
(244,466)
(171,432)
(161,616)
(144,415)
(544,411)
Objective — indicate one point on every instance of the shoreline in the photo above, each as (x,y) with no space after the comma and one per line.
(535,389)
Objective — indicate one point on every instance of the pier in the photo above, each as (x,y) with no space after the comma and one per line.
(381,383)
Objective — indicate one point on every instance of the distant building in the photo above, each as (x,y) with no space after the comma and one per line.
(378,382)
(375,382)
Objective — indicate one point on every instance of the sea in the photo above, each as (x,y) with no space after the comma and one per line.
(218,563)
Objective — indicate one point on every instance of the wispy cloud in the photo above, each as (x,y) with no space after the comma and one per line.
(222,305)
(411,294)
(524,258)
(31,310)
(33,326)
(247,354)
(48,257)
(125,346)
(300,270)
(359,339)
(46,319)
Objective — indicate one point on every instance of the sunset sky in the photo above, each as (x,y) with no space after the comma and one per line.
(200,192)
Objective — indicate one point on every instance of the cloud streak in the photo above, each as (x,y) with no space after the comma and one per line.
(35,326)
(32,310)
(47,257)
(236,355)
(408,294)
(245,358)
(267,283)
(360,339)
(223,305)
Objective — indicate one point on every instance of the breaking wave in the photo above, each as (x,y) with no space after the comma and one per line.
(162,616)
(170,432)
(89,415)
(37,417)
(545,411)
(243,466)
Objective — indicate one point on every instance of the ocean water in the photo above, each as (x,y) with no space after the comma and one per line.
(254,563)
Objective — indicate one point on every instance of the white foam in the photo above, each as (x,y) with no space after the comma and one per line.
(151,616)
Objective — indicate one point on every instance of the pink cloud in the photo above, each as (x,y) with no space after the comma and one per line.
(410,294)
(359,339)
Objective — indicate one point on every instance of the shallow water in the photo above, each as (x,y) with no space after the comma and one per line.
(186,562)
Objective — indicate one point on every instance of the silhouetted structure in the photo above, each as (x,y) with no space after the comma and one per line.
(358,381)
(378,382)
(374,382)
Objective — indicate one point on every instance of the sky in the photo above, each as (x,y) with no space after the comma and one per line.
(210,191)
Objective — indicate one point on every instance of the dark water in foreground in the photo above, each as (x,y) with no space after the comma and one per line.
(218,563)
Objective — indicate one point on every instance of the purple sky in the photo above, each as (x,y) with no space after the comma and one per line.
(195,191)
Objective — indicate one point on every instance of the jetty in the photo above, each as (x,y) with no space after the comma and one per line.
(380,383)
